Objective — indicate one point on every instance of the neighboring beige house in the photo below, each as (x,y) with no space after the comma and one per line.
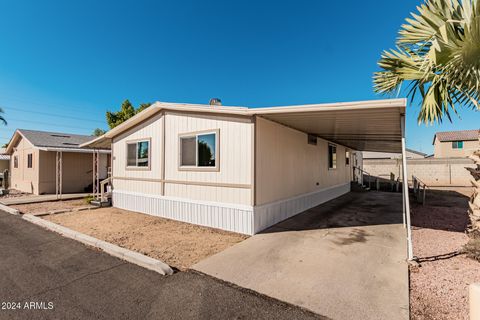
(51,162)
(4,160)
(456,144)
(243,169)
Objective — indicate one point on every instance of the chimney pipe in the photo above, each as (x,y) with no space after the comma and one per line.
(215,102)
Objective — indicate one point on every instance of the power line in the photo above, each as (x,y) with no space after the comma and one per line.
(40,104)
(52,115)
(50,124)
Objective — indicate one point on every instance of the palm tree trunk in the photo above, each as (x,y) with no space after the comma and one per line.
(474,204)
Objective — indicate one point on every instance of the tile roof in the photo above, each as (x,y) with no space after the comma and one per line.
(464,135)
(54,139)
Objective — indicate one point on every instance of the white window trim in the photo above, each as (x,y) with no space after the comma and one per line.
(196,134)
(347,151)
(136,142)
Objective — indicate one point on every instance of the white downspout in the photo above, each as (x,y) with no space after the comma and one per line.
(406,200)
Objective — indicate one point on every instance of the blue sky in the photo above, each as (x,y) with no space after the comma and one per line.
(64,63)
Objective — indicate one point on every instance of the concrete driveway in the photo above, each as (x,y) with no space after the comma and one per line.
(345,259)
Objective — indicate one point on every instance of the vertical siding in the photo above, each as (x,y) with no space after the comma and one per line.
(234,218)
(287,166)
(272,213)
(149,129)
(235,151)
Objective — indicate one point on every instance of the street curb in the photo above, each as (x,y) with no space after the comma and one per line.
(114,250)
(9,210)
(48,213)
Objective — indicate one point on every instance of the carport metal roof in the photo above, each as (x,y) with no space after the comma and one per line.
(363,126)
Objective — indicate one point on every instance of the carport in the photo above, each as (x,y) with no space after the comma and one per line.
(363,126)
(346,258)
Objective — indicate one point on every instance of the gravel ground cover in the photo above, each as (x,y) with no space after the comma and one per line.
(42,207)
(439,287)
(178,244)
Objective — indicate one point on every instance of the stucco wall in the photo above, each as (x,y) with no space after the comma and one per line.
(230,184)
(288,166)
(23,178)
(445,150)
(433,172)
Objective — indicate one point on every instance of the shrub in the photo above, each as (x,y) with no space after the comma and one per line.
(472,249)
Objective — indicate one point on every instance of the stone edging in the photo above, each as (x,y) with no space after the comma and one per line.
(116,251)
(47,213)
(7,209)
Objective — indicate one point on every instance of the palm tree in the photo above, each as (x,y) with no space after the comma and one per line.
(2,119)
(438,57)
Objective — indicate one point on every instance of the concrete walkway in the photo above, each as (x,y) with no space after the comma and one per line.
(41,198)
(344,259)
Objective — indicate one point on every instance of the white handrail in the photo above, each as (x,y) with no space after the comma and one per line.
(102,188)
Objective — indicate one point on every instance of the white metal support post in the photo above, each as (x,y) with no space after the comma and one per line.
(58,174)
(98,174)
(95,175)
(406,200)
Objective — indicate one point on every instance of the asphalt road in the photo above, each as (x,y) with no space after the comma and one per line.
(46,276)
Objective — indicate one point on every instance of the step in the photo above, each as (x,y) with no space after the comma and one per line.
(101,204)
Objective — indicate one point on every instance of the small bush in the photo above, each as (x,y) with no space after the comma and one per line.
(88,199)
(472,249)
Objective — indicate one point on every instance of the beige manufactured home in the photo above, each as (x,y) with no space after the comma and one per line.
(52,162)
(243,169)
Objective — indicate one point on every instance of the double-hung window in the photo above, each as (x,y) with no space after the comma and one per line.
(15,161)
(347,158)
(457,144)
(199,150)
(138,154)
(332,156)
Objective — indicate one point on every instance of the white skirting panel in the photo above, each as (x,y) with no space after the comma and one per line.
(230,217)
(268,214)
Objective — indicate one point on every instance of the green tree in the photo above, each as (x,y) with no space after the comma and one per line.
(438,57)
(205,154)
(98,132)
(127,110)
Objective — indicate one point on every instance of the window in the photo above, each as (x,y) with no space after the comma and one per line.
(15,161)
(332,156)
(457,144)
(138,154)
(29,160)
(347,158)
(199,150)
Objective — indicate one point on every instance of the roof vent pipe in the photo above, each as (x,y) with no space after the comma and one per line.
(215,102)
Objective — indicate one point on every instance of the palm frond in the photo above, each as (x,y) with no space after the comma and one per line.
(438,54)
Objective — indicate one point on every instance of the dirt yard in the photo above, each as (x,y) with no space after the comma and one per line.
(179,244)
(439,287)
(41,207)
